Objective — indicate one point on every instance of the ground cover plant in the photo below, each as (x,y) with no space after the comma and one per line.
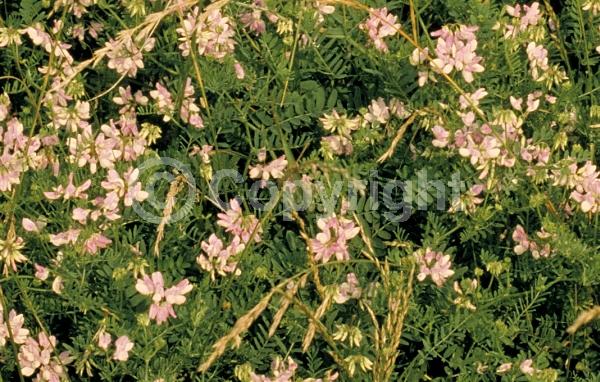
(299,190)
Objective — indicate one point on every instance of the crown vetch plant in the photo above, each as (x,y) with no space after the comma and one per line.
(270,190)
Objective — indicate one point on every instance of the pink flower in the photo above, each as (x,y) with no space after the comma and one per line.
(41,272)
(163,300)
(455,50)
(67,237)
(34,355)
(247,227)
(189,111)
(475,97)
(104,340)
(240,73)
(29,225)
(70,191)
(526,367)
(15,322)
(274,169)
(122,348)
(538,59)
(378,112)
(349,289)
(213,33)
(521,238)
(441,136)
(253,21)
(128,187)
(218,259)
(164,101)
(332,240)
(280,371)
(124,55)
(80,215)
(379,25)
(435,265)
(337,144)
(96,242)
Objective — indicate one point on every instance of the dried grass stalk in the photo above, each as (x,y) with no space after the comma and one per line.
(584,318)
(241,325)
(175,188)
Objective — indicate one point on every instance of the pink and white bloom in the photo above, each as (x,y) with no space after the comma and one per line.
(333,238)
(247,227)
(163,300)
(380,25)
(127,187)
(435,265)
(41,272)
(348,290)
(16,324)
(218,259)
(122,348)
(274,169)
(104,340)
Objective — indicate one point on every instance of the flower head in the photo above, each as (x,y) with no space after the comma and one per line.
(333,238)
(435,265)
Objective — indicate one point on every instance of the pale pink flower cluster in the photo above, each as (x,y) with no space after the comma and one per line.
(125,55)
(77,7)
(348,289)
(585,183)
(537,155)
(15,323)
(468,201)
(253,19)
(74,116)
(281,371)
(456,50)
(538,60)
(527,368)
(18,152)
(322,9)
(284,370)
(523,18)
(129,101)
(59,49)
(213,35)
(378,112)
(190,111)
(36,356)
(435,265)
(265,171)
(247,227)
(525,243)
(485,144)
(163,101)
(126,187)
(116,141)
(123,345)
(162,300)
(419,59)
(70,191)
(218,259)
(333,238)
(380,25)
